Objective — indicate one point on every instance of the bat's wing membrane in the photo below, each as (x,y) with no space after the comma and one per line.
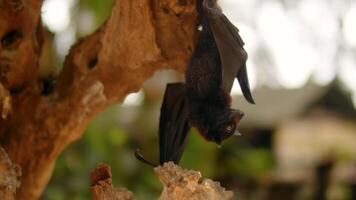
(173,125)
(230,45)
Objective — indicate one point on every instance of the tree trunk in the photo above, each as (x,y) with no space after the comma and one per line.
(139,38)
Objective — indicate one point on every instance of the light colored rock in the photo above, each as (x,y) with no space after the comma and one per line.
(181,184)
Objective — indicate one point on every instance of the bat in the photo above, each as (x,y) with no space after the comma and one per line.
(204,100)
(218,59)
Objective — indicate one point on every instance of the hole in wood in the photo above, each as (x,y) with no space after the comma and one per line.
(16,89)
(47,87)
(92,63)
(11,39)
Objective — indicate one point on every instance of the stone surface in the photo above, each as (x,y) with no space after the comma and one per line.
(181,184)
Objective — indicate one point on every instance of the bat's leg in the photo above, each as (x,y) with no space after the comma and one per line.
(139,157)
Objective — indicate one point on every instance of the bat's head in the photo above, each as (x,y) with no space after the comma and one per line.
(225,125)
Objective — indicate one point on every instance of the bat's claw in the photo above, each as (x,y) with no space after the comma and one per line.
(139,157)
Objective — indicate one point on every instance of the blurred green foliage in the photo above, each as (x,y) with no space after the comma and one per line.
(246,162)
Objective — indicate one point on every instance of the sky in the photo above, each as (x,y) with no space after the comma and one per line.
(289,42)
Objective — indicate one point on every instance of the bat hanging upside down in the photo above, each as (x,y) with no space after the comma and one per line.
(204,100)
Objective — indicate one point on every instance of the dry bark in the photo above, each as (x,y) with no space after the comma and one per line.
(139,38)
(102,188)
(179,184)
(9,177)
(5,102)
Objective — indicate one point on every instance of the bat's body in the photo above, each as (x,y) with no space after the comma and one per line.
(204,100)
(208,103)
(210,75)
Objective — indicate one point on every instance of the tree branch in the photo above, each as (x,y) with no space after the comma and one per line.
(139,38)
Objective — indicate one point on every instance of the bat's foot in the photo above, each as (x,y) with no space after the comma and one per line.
(139,157)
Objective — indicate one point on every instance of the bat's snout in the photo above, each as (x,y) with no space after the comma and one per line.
(237,115)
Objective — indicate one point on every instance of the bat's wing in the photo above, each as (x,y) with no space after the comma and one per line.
(230,45)
(173,124)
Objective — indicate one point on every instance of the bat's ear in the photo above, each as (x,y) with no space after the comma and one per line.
(210,7)
(236,115)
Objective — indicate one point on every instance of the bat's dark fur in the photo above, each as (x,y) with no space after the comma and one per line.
(204,100)
(208,103)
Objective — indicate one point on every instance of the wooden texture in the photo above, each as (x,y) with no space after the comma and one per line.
(102,188)
(9,177)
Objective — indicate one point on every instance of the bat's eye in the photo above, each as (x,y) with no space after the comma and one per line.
(229,129)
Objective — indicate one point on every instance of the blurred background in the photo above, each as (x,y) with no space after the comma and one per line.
(299,140)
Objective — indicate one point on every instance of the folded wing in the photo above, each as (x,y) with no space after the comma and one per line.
(230,45)
(173,125)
